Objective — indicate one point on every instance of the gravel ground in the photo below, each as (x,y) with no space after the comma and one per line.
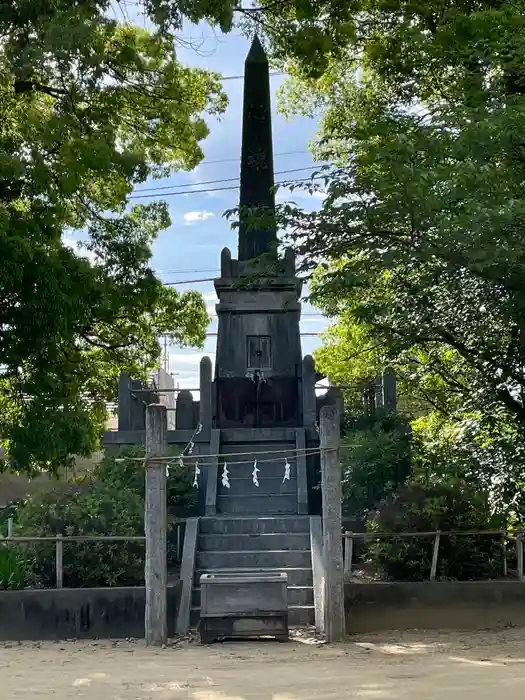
(412,666)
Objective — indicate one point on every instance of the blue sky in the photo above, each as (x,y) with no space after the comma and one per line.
(190,248)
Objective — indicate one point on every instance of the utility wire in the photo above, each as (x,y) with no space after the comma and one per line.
(236,160)
(213,189)
(214,182)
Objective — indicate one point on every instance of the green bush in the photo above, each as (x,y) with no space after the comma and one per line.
(181,495)
(108,501)
(86,509)
(15,568)
(445,507)
(129,473)
(9,511)
(376,462)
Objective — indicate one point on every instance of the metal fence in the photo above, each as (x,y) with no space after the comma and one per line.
(59,541)
(348,542)
(350,537)
(59,546)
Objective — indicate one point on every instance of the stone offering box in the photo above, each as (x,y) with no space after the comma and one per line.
(243,605)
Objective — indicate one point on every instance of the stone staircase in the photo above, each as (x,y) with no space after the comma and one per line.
(255,528)
(273,496)
(263,543)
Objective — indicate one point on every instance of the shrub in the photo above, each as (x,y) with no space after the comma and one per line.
(9,511)
(376,462)
(86,509)
(15,569)
(108,501)
(129,473)
(445,507)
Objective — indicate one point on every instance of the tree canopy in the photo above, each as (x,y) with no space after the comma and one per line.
(92,105)
(420,236)
(90,108)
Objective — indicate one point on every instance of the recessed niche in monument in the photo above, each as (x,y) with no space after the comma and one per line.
(259,352)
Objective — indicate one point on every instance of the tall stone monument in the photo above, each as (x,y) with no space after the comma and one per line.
(253,434)
(258,362)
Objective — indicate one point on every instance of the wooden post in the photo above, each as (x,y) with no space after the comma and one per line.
(155,526)
(519,555)
(435,552)
(10,527)
(332,524)
(349,552)
(59,561)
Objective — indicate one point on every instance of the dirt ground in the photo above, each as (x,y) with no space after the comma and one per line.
(416,665)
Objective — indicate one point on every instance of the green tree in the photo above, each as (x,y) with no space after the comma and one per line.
(88,112)
(422,226)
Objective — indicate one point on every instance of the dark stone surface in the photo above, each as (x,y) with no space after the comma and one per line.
(81,613)
(455,605)
(257,178)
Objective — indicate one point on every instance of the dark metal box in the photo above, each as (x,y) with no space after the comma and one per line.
(241,605)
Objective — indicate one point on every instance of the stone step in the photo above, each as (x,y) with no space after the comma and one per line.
(272,470)
(297,576)
(301,615)
(269,503)
(268,542)
(225,525)
(298,616)
(276,559)
(245,486)
(297,595)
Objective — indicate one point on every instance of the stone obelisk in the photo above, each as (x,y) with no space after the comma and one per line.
(257,197)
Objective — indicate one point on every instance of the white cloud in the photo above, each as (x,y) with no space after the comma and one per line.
(79,248)
(316,320)
(191,217)
(299,195)
(185,367)
(210,299)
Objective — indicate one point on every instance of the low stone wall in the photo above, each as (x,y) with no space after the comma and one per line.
(81,613)
(117,613)
(458,605)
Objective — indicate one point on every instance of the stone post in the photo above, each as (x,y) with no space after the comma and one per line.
(309,403)
(130,411)
(205,412)
(124,402)
(184,418)
(389,390)
(332,524)
(155,526)
(166,394)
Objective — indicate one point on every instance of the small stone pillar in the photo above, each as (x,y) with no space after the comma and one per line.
(205,413)
(184,412)
(309,402)
(389,390)
(334,397)
(132,406)
(289,262)
(124,401)
(166,395)
(226,262)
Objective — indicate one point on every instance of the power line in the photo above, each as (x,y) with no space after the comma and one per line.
(213,189)
(179,272)
(236,160)
(203,279)
(213,182)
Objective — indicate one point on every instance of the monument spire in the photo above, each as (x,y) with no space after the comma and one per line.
(257,178)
